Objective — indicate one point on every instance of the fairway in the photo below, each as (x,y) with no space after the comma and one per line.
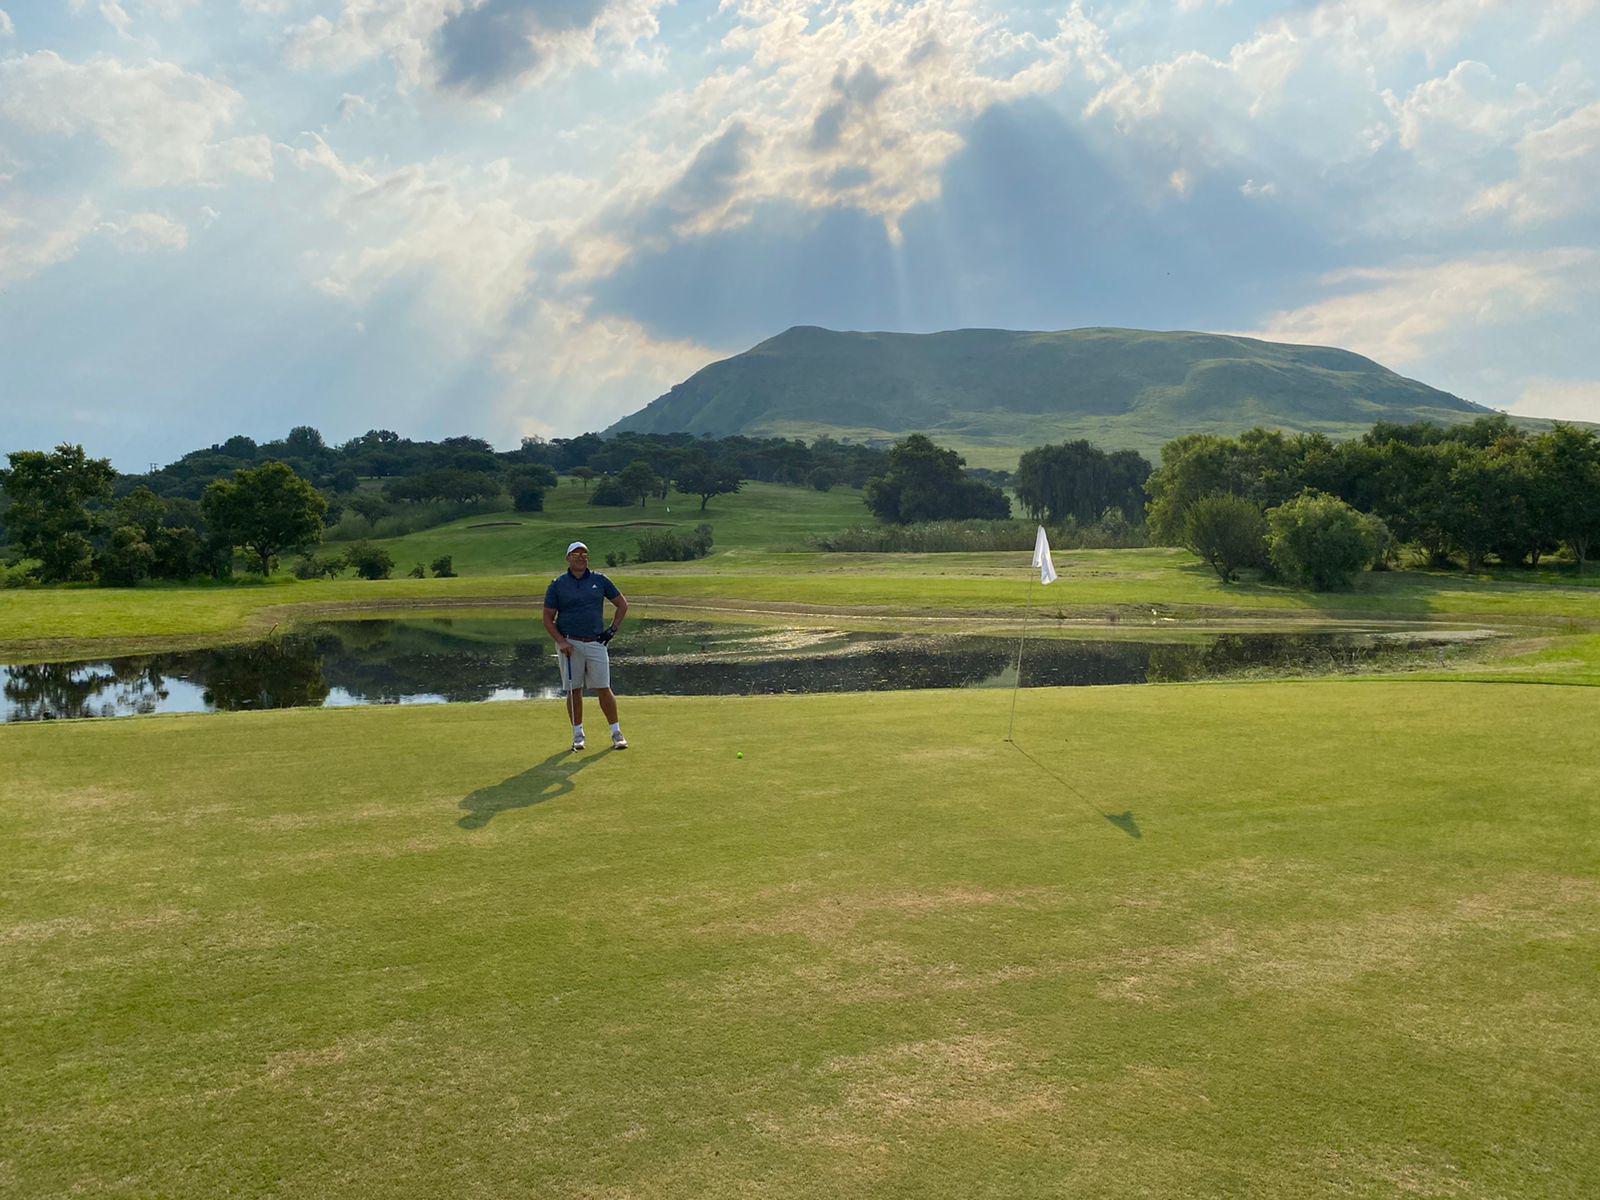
(759,516)
(1266,940)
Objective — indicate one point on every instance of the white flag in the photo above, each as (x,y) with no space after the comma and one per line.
(1042,559)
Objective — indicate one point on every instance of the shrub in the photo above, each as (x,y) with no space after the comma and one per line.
(822,479)
(369,561)
(18,575)
(667,546)
(418,572)
(1229,532)
(310,566)
(615,558)
(444,567)
(1319,541)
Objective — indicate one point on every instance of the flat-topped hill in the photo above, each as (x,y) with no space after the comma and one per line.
(996,390)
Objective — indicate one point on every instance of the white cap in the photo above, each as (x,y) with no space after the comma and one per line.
(576,546)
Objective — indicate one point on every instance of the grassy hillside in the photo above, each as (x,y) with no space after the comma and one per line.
(993,392)
(1212,941)
(760,516)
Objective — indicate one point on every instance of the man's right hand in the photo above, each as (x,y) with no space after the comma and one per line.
(564,646)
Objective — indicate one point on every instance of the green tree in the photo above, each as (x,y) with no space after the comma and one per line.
(698,475)
(369,561)
(48,514)
(1260,465)
(583,475)
(639,480)
(125,559)
(1566,467)
(143,509)
(267,510)
(821,479)
(1319,541)
(923,482)
(1412,492)
(1078,480)
(180,553)
(528,485)
(446,484)
(370,504)
(1229,532)
(444,567)
(609,493)
(304,442)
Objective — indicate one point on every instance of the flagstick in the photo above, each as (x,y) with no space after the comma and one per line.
(1015,687)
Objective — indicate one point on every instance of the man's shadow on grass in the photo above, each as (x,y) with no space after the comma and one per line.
(1123,821)
(551,778)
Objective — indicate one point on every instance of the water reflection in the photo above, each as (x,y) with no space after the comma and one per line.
(457,660)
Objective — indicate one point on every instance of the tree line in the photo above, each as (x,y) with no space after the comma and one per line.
(461,468)
(1301,506)
(1460,495)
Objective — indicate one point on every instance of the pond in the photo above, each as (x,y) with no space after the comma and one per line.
(445,660)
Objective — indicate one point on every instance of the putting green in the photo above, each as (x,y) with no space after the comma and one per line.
(1256,940)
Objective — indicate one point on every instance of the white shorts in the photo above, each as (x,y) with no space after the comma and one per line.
(588,666)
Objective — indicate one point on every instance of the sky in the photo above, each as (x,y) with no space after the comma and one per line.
(531,217)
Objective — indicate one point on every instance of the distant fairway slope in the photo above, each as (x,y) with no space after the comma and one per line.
(1000,388)
(1273,940)
(760,516)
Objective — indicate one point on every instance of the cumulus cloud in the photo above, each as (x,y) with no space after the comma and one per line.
(1463,114)
(33,241)
(1397,315)
(475,48)
(1386,29)
(7,29)
(858,104)
(351,105)
(1284,103)
(819,138)
(36,237)
(159,120)
(145,232)
(496,263)
(1559,172)
(591,368)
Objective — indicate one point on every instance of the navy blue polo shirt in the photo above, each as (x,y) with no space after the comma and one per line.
(579,601)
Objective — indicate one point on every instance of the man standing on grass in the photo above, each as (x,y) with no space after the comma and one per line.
(574,615)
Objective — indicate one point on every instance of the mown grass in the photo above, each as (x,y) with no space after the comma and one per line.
(1253,940)
(761,516)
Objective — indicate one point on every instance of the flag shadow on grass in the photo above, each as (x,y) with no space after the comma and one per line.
(551,778)
(1123,821)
